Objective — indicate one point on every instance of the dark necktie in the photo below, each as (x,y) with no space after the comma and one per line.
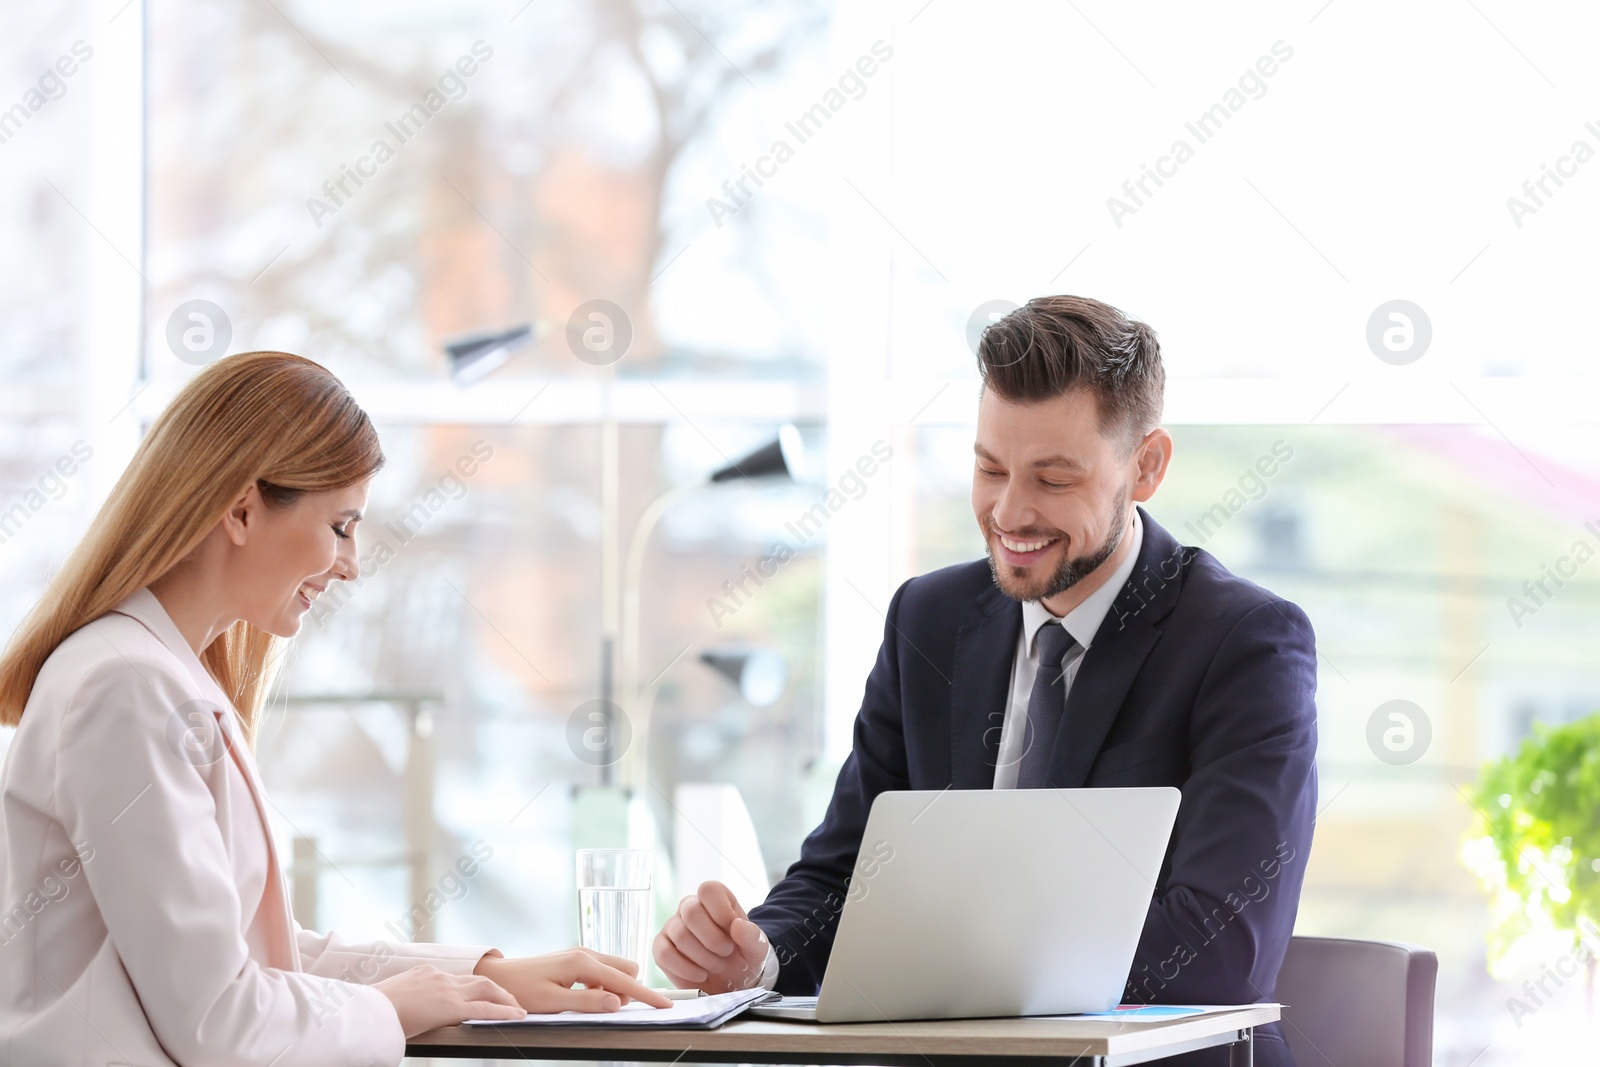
(1046,705)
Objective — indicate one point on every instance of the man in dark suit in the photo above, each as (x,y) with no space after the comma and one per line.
(1090,649)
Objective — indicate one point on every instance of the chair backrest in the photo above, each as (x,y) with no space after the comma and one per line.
(1354,1003)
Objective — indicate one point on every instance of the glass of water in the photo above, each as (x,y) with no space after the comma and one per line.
(614,902)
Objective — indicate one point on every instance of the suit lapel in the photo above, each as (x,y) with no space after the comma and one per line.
(274,909)
(146,609)
(1117,652)
(980,681)
(1104,678)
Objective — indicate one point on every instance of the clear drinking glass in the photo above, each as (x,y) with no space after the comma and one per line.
(614,902)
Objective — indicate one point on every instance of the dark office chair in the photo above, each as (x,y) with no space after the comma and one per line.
(1354,1003)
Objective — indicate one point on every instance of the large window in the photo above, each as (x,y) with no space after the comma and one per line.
(1367,261)
(44,290)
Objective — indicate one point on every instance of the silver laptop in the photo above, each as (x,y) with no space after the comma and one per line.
(992,902)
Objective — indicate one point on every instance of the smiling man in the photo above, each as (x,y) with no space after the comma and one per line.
(1090,649)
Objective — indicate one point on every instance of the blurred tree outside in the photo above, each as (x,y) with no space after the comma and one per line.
(1535,845)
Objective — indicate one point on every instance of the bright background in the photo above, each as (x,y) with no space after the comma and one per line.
(973,165)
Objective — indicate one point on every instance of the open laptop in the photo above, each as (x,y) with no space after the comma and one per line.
(992,902)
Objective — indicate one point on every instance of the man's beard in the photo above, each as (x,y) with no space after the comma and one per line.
(1070,571)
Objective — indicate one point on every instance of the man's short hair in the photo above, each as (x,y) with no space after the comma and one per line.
(1054,344)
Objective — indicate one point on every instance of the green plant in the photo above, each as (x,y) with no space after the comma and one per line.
(1535,842)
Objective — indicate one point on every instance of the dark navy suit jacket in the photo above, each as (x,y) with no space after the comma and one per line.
(1197,679)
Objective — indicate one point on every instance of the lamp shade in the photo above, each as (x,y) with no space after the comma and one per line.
(782,457)
(476,355)
(760,673)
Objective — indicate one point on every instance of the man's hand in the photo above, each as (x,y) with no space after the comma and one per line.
(710,944)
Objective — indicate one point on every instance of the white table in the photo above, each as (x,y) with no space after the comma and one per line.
(1027,1042)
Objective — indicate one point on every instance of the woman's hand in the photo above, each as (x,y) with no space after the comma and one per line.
(544,984)
(425,997)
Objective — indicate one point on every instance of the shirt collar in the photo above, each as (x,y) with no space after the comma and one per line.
(1083,621)
(143,606)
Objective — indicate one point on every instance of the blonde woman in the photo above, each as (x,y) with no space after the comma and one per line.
(145,918)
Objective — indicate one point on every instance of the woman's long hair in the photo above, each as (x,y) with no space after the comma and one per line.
(271,419)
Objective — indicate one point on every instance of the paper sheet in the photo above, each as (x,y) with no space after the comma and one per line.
(698,1013)
(1157,1011)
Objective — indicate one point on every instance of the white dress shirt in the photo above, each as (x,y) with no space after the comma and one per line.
(1082,622)
(144,912)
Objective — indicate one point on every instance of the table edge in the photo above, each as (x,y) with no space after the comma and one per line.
(824,1039)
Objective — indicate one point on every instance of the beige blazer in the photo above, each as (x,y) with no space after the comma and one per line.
(145,916)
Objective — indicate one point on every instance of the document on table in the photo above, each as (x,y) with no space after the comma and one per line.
(698,1013)
(1160,1011)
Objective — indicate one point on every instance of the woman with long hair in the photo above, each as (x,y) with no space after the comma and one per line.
(145,918)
